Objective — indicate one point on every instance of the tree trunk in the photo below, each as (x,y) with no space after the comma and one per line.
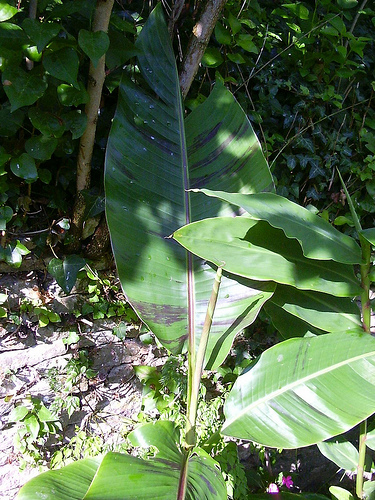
(198,42)
(94,88)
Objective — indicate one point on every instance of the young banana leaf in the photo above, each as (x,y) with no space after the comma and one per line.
(154,156)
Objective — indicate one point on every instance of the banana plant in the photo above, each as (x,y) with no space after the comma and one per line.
(252,248)
(304,390)
(154,157)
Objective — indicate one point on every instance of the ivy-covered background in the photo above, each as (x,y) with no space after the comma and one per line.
(303,71)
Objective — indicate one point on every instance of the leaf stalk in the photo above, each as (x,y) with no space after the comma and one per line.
(195,370)
(361,459)
(366,322)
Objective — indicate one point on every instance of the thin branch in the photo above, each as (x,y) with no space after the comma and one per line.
(198,42)
(260,52)
(195,372)
(355,20)
(175,14)
(270,61)
(253,106)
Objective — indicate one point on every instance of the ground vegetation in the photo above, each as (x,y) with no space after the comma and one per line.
(297,80)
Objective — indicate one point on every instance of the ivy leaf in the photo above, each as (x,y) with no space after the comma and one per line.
(120,50)
(305,143)
(21,88)
(44,415)
(298,9)
(40,33)
(94,44)
(245,42)
(41,147)
(222,35)
(95,203)
(12,37)
(316,170)
(45,175)
(6,11)
(65,271)
(71,96)
(32,425)
(347,4)
(10,122)
(24,167)
(6,214)
(18,413)
(234,23)
(84,7)
(123,26)
(13,253)
(4,156)
(63,64)
(236,58)
(48,123)
(76,122)
(212,58)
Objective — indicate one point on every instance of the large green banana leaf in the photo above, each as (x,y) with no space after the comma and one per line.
(256,250)
(119,476)
(303,391)
(153,157)
(287,324)
(323,311)
(318,239)
(69,483)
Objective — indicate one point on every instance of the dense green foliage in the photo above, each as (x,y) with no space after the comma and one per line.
(44,67)
(301,391)
(303,73)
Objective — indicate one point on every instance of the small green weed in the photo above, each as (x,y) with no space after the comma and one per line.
(3,310)
(103,299)
(164,392)
(83,445)
(36,424)
(233,471)
(41,313)
(76,369)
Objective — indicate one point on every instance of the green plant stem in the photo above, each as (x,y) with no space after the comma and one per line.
(361,459)
(366,322)
(195,369)
(365,283)
(199,362)
(183,477)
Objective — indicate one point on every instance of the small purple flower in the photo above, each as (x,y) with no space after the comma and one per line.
(287,481)
(273,488)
